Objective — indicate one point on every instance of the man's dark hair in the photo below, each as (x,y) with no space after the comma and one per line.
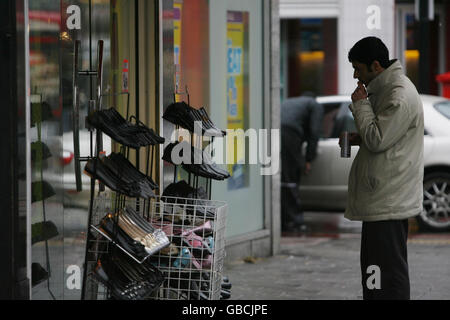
(369,49)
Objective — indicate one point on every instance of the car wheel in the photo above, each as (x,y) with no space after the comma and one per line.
(436,202)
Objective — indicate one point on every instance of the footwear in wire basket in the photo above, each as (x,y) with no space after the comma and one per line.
(192,254)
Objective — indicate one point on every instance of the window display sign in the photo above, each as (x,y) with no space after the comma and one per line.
(177,9)
(237,96)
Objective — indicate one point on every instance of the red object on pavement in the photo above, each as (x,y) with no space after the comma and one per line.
(444,79)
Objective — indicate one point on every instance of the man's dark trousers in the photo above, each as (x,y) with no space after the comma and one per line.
(384,245)
(291,164)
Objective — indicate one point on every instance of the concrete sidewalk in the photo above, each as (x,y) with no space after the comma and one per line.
(327,268)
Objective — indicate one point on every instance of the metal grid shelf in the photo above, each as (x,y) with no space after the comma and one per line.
(192,264)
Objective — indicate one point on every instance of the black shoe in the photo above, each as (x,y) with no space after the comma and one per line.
(97,169)
(40,112)
(38,274)
(207,168)
(292,227)
(183,115)
(42,231)
(39,148)
(135,248)
(41,190)
(129,175)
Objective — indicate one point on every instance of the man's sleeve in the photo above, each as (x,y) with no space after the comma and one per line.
(315,127)
(380,132)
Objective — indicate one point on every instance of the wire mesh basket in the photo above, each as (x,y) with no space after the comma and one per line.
(192,259)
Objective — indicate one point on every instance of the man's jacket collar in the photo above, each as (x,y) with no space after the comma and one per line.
(380,81)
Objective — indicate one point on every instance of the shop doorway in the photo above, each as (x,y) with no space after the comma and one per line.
(408,46)
(308,56)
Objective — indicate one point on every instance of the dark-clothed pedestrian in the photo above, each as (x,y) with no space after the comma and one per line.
(301,121)
(385,185)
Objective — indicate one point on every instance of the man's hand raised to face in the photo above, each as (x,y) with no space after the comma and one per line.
(359,93)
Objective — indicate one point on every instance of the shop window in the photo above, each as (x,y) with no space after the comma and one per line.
(237,96)
(412,53)
(191,51)
(191,60)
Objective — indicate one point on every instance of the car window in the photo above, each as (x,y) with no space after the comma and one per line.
(344,121)
(330,111)
(443,108)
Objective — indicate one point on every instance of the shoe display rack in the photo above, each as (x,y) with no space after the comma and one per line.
(41,190)
(195,224)
(119,239)
(139,245)
(191,264)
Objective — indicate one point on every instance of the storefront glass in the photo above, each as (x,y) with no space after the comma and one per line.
(59,211)
(236,77)
(47,157)
(207,58)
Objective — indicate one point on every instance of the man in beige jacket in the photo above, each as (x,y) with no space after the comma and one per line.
(386,178)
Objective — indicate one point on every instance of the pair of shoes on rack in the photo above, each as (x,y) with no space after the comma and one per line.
(119,179)
(120,237)
(118,128)
(41,190)
(38,274)
(126,279)
(199,162)
(182,189)
(133,233)
(141,230)
(183,115)
(129,175)
(225,292)
(188,285)
(40,111)
(39,151)
(225,285)
(119,161)
(191,247)
(198,286)
(195,199)
(42,231)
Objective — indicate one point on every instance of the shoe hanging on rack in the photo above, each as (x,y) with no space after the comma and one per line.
(183,115)
(187,284)
(38,274)
(41,190)
(207,168)
(152,239)
(40,111)
(135,236)
(182,189)
(128,176)
(42,231)
(118,128)
(126,279)
(122,167)
(39,148)
(121,238)
(97,169)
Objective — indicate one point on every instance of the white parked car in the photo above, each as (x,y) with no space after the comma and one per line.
(325,188)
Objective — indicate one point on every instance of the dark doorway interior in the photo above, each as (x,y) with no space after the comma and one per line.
(311,53)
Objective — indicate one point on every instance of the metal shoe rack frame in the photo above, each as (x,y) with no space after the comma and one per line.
(186,276)
(39,167)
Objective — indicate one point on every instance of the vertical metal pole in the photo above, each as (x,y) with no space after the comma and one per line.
(136,34)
